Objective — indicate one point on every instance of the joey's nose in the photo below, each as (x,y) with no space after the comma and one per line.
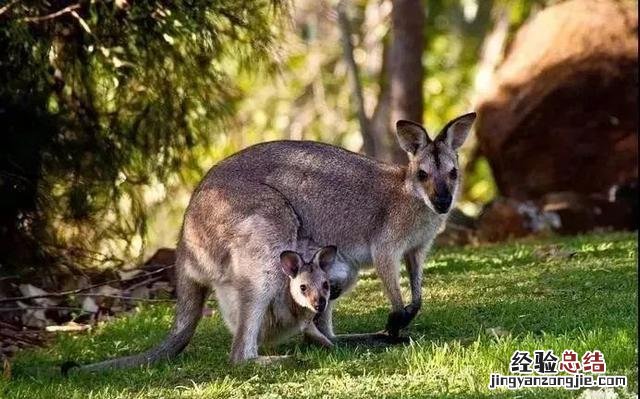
(441,203)
(320,305)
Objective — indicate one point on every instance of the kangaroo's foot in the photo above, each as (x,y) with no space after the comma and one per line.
(313,335)
(400,319)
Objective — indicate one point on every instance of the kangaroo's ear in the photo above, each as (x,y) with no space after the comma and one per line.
(291,262)
(411,136)
(456,131)
(325,257)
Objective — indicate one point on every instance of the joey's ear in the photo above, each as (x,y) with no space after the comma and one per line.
(291,262)
(456,131)
(325,257)
(411,136)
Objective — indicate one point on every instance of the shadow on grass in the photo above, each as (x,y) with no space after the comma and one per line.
(561,301)
(554,301)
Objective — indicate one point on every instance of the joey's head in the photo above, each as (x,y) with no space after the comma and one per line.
(433,173)
(309,281)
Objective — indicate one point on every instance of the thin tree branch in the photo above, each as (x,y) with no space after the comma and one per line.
(79,290)
(379,124)
(81,21)
(356,84)
(17,309)
(129,298)
(9,326)
(58,13)
(28,337)
(143,283)
(6,8)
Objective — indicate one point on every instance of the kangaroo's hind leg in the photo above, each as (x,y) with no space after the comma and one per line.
(251,310)
(228,300)
(257,224)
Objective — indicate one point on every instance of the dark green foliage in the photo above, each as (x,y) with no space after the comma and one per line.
(102,100)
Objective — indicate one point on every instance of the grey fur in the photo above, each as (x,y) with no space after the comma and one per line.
(266,198)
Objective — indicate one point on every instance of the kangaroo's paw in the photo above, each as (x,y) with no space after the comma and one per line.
(401,319)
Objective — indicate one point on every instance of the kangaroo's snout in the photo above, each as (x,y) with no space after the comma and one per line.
(442,202)
(320,305)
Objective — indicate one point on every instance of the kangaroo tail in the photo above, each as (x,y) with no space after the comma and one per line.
(191,297)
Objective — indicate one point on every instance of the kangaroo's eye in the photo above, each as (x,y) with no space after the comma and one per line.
(453,174)
(303,287)
(422,175)
(325,286)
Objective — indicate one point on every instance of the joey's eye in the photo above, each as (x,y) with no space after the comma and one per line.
(325,286)
(303,287)
(453,174)
(422,175)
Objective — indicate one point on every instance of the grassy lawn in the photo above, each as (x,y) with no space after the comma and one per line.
(531,301)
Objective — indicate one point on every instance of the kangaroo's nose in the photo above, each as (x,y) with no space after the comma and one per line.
(442,203)
(320,305)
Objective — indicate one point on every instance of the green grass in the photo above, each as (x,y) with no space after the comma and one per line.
(582,303)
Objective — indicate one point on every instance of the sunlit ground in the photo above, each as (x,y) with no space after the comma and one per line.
(481,304)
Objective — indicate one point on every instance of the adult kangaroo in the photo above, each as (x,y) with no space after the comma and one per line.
(375,213)
(267,198)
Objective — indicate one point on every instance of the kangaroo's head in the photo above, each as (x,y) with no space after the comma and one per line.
(433,173)
(309,281)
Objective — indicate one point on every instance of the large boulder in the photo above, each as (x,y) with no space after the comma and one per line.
(562,114)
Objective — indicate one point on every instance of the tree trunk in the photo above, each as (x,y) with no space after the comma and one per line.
(405,67)
(379,124)
(401,77)
(368,142)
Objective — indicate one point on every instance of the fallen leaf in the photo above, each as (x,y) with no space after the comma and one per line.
(107,290)
(106,297)
(141,292)
(34,317)
(128,274)
(32,290)
(89,305)
(71,326)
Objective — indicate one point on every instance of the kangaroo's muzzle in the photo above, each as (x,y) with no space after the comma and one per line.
(320,305)
(442,202)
